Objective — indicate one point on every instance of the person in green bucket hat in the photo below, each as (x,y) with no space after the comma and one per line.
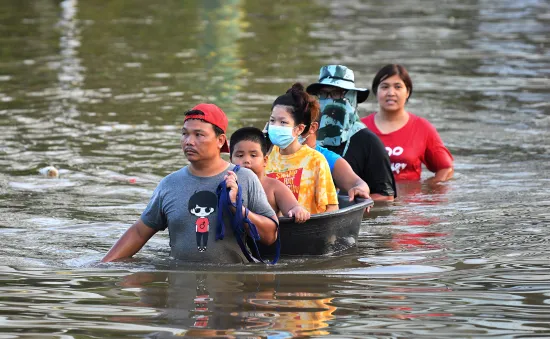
(341,130)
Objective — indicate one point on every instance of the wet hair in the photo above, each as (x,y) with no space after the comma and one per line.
(390,70)
(303,107)
(203,199)
(217,130)
(248,134)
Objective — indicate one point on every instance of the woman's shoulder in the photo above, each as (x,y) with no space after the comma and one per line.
(318,160)
(369,119)
(420,122)
(308,157)
(311,152)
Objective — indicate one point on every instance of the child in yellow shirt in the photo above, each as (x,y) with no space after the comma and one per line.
(301,168)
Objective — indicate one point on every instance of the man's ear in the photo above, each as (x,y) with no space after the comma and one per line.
(314,127)
(221,140)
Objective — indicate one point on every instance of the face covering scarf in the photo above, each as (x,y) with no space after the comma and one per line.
(339,121)
(280,136)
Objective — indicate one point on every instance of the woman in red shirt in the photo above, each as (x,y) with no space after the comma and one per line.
(410,140)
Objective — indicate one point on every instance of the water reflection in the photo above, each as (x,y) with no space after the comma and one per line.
(99,92)
(412,224)
(278,49)
(204,304)
(209,304)
(220,72)
(70,71)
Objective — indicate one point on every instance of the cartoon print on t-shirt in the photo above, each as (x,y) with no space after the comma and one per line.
(202,204)
(291,179)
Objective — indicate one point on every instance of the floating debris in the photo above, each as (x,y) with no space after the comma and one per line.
(49,171)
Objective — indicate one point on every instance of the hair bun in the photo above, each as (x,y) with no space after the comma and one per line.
(296,88)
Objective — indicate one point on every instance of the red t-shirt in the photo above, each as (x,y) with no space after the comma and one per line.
(202,225)
(412,145)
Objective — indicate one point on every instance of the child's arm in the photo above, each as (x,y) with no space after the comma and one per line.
(287,203)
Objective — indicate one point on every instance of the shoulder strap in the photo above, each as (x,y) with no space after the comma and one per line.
(223,201)
(237,223)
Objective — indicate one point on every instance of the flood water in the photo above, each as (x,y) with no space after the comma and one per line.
(99,89)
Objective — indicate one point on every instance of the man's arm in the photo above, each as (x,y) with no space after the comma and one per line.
(347,181)
(380,197)
(367,156)
(267,227)
(131,241)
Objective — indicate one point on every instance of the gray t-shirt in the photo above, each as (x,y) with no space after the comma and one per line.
(188,206)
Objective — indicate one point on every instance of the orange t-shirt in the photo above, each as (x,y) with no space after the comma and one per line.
(307,174)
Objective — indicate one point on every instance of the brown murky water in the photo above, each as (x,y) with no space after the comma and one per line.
(98,89)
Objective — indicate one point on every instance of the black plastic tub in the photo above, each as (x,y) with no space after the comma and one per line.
(324,233)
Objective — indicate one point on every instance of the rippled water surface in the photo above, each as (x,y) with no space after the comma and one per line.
(98,89)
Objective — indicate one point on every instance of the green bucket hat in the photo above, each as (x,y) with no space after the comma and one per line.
(338,76)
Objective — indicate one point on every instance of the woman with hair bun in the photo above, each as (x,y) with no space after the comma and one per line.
(304,170)
(409,139)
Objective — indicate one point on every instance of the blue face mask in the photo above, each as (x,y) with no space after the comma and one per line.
(280,136)
(302,139)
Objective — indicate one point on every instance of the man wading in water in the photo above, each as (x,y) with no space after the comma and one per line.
(203,139)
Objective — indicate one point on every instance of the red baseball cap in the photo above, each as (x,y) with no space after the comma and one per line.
(211,114)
